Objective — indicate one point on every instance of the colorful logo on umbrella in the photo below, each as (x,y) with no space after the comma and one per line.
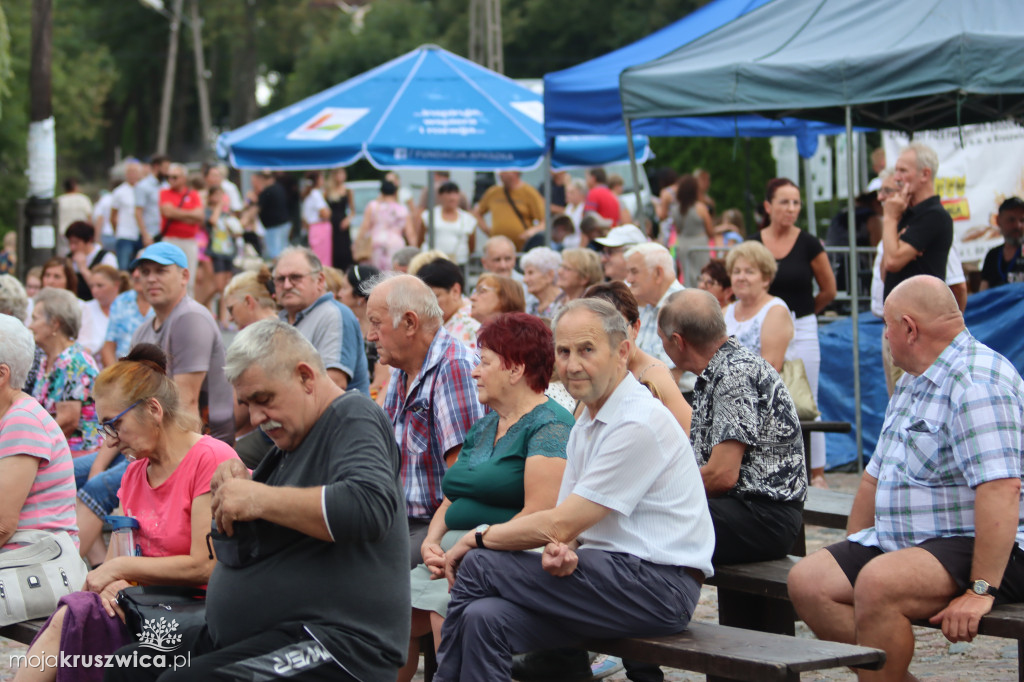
(327,124)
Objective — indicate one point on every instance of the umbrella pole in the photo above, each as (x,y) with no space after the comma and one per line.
(636,175)
(812,217)
(430,209)
(851,269)
(547,193)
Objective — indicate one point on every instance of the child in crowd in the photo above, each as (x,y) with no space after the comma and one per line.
(9,256)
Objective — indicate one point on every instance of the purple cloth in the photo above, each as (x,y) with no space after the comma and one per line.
(87,630)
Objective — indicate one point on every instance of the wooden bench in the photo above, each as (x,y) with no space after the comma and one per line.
(22,632)
(724,652)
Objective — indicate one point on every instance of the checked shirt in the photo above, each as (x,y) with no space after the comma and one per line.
(431,418)
(956,426)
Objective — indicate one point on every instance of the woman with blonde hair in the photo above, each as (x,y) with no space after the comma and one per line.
(758,320)
(249,297)
(494,295)
(580,268)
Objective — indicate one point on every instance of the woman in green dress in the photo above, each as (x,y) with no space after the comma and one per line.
(511,462)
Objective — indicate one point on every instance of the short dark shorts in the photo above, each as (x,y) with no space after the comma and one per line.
(222,263)
(955,555)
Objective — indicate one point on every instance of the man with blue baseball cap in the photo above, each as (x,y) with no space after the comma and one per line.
(187,332)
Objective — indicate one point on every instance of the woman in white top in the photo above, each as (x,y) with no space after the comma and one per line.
(758,320)
(454,229)
(316,218)
(107,283)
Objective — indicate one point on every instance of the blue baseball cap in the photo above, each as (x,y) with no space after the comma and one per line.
(161,253)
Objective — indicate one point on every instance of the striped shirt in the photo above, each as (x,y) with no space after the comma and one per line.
(947,431)
(27,429)
(633,458)
(431,418)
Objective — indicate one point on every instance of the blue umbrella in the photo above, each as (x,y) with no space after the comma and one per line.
(426,109)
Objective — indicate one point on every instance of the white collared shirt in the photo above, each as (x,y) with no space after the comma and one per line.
(634,458)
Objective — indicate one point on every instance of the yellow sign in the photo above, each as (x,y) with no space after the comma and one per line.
(951,187)
(958,208)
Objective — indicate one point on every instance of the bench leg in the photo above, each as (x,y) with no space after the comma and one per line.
(756,613)
(1020,660)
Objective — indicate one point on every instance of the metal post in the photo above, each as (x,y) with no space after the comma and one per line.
(430,209)
(851,268)
(634,170)
(172,63)
(812,218)
(201,85)
(547,192)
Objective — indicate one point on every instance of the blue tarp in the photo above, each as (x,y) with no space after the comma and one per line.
(426,109)
(991,316)
(584,99)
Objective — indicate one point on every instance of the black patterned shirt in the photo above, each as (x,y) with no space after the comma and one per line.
(739,396)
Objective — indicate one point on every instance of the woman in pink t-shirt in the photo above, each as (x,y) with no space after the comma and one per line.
(166,488)
(37,478)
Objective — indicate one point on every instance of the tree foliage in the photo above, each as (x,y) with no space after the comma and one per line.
(109,60)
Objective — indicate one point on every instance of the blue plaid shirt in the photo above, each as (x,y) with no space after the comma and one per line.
(956,426)
(432,418)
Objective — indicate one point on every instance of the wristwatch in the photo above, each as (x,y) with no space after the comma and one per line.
(978,586)
(480,530)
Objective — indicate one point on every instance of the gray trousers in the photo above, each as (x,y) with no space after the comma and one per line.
(504,603)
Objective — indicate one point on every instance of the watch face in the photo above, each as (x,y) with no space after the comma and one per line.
(980,587)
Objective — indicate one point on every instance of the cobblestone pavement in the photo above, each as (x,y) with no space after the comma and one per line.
(986,659)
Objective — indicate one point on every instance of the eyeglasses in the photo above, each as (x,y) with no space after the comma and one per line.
(109,427)
(174,177)
(483,289)
(294,278)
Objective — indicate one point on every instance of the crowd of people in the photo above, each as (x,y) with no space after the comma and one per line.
(381,434)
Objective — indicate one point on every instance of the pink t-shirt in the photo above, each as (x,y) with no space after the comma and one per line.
(164,513)
(27,429)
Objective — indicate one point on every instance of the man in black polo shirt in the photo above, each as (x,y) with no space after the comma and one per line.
(916,230)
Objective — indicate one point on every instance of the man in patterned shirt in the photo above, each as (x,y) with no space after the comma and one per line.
(431,397)
(745,433)
(935,529)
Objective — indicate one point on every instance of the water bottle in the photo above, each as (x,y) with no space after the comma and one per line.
(122,535)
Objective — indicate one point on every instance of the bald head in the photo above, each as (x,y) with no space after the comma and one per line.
(921,319)
(928,299)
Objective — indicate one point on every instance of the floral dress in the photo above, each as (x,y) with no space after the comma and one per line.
(71,379)
(388,232)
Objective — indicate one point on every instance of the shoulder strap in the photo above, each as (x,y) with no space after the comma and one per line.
(508,195)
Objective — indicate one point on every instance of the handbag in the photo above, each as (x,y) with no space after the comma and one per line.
(34,577)
(794,375)
(156,615)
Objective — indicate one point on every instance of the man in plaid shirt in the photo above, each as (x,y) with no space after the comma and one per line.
(431,398)
(935,529)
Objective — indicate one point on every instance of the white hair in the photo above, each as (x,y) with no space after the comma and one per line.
(926,157)
(655,256)
(885,174)
(63,306)
(408,293)
(17,349)
(498,239)
(289,346)
(13,299)
(543,258)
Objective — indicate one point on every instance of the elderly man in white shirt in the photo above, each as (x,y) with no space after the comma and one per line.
(626,549)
